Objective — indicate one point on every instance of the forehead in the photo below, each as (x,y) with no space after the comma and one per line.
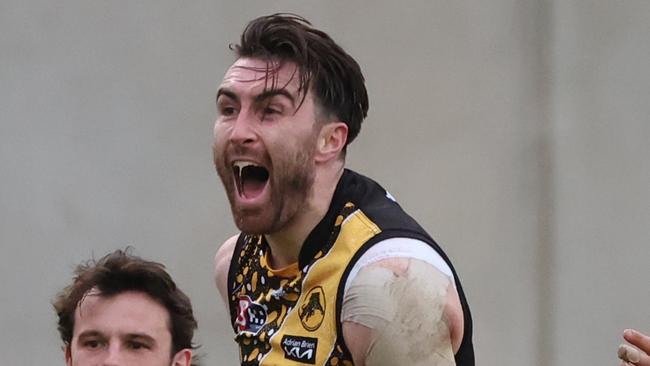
(256,75)
(124,313)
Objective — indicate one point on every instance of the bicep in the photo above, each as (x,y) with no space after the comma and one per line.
(400,311)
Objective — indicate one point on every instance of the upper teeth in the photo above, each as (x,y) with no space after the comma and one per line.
(243,164)
(240,165)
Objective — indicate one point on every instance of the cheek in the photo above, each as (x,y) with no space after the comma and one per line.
(218,137)
(219,130)
(216,132)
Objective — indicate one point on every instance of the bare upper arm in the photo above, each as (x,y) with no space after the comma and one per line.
(402,311)
(222,265)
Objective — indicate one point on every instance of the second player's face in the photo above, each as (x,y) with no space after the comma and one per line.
(127,329)
(264,142)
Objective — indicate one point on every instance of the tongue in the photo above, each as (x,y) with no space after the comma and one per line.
(252,188)
(252,180)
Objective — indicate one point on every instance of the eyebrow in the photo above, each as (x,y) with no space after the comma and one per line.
(267,94)
(129,336)
(90,333)
(228,93)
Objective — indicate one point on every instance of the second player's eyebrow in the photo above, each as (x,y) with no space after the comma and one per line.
(89,334)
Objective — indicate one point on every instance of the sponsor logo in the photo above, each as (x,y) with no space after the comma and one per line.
(251,316)
(301,349)
(312,311)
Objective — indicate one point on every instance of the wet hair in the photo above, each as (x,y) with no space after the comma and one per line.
(334,77)
(120,272)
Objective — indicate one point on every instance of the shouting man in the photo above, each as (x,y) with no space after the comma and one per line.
(328,269)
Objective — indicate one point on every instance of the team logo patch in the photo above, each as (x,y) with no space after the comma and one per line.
(251,316)
(312,311)
(301,349)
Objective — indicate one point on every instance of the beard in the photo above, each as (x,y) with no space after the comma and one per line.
(291,177)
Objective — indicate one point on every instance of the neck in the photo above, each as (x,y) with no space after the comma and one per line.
(286,243)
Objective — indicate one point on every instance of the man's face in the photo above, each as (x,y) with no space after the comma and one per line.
(264,144)
(127,329)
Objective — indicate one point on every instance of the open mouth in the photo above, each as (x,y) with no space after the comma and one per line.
(250,178)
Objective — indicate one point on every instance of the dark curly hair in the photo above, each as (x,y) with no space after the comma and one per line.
(334,76)
(119,272)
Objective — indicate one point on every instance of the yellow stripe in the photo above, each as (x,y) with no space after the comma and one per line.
(326,273)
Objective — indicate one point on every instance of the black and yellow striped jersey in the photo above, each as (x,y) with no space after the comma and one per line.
(291,316)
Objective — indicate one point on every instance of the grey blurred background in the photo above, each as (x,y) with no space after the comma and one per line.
(516,132)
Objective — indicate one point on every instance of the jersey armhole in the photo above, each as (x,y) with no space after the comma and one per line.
(400,247)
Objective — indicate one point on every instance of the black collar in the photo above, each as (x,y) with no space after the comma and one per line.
(320,235)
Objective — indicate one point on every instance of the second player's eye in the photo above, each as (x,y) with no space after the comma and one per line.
(137,345)
(92,344)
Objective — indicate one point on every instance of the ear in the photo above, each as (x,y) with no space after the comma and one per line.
(182,358)
(331,141)
(68,355)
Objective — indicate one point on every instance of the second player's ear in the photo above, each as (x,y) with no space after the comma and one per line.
(68,355)
(331,141)
(182,358)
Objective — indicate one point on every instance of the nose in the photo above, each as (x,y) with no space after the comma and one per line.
(243,130)
(114,356)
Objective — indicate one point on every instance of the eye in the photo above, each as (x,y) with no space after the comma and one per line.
(226,106)
(135,345)
(227,111)
(270,110)
(92,344)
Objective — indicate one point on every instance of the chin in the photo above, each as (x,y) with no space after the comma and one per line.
(252,229)
(252,224)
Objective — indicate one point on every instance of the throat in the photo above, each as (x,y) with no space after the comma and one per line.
(287,243)
(284,248)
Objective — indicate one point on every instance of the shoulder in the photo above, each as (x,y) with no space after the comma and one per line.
(396,286)
(222,264)
(401,247)
(226,249)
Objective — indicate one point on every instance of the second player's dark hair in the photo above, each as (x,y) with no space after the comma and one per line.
(119,272)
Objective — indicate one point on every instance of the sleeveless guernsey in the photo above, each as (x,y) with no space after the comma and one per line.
(292,316)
